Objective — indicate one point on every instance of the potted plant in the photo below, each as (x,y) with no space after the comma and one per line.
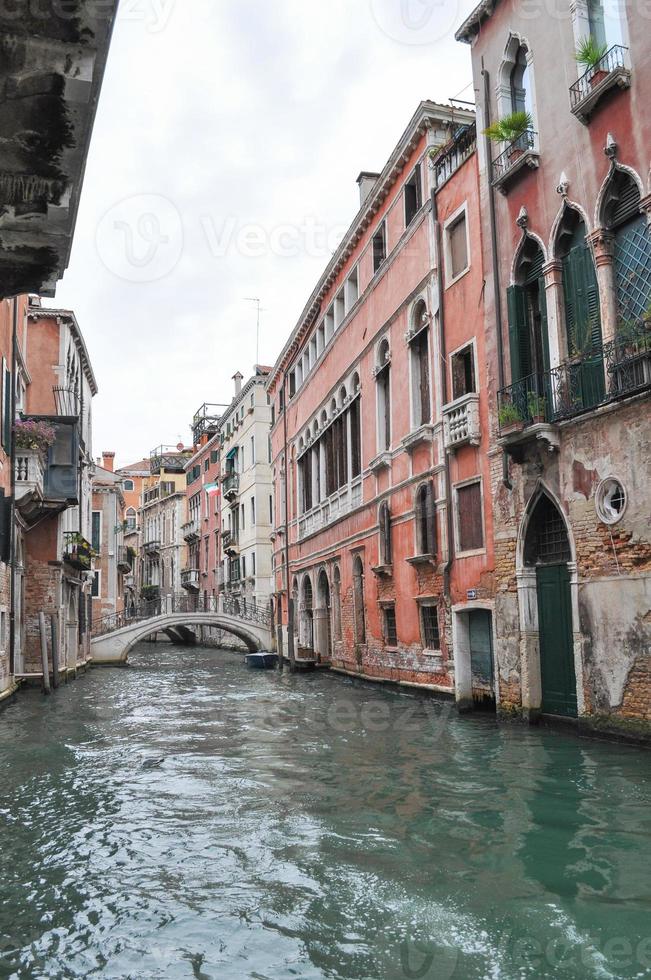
(510,418)
(589,54)
(646,318)
(537,407)
(31,434)
(509,129)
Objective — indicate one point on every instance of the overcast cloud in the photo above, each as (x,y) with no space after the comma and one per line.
(223,165)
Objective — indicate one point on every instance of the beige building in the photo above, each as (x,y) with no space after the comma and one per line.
(162,515)
(247,491)
(113,559)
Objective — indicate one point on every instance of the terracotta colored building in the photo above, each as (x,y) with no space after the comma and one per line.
(132,478)
(565,216)
(367,494)
(203,573)
(53,492)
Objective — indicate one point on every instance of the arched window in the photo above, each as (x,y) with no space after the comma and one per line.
(420,369)
(358,600)
(426,520)
(620,213)
(520,85)
(582,312)
(383,381)
(528,334)
(131,519)
(307,614)
(385,535)
(128,485)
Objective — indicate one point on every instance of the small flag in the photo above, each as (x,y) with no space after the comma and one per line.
(212,489)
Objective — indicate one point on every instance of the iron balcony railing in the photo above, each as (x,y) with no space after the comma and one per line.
(602,375)
(67,401)
(206,420)
(613,59)
(510,156)
(168,458)
(77,551)
(124,558)
(231,485)
(152,547)
(451,156)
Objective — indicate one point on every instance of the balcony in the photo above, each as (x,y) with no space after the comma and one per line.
(124,558)
(229,541)
(531,409)
(67,402)
(608,74)
(77,552)
(231,486)
(519,157)
(191,531)
(169,459)
(152,548)
(328,511)
(454,154)
(206,421)
(190,579)
(60,465)
(461,424)
(30,478)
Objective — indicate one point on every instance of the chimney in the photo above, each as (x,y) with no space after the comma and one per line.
(366,182)
(108,460)
(238,379)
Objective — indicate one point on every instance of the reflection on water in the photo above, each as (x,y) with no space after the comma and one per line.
(191,818)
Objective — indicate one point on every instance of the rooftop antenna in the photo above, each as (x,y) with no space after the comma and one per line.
(257,301)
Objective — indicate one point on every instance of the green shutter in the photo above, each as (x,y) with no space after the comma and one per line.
(542,307)
(582,312)
(519,340)
(6,432)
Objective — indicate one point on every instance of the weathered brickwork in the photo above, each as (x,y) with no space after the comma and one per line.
(42,591)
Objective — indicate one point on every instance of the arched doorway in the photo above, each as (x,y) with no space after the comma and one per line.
(307,614)
(324,620)
(547,558)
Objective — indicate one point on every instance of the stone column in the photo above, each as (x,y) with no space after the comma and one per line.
(602,244)
(529,643)
(557,339)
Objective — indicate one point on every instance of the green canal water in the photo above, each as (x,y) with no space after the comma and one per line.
(192,818)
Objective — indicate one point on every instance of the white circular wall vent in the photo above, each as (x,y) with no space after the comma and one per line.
(610,500)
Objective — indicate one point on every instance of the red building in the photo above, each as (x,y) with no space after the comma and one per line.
(566,204)
(380,432)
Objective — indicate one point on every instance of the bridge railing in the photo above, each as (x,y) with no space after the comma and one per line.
(222,605)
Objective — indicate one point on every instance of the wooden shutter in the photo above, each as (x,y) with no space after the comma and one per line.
(519,339)
(356,456)
(471,536)
(423,371)
(542,308)
(430,512)
(581,292)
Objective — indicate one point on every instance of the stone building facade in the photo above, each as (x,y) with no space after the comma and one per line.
(113,559)
(162,515)
(566,208)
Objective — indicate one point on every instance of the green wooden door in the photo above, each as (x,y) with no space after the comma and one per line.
(557,671)
(481,649)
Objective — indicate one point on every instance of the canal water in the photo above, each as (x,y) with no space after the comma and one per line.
(188,817)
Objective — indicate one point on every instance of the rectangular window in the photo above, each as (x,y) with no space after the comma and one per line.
(379,246)
(352,290)
(413,196)
(95,589)
(243,566)
(96,533)
(252,450)
(340,308)
(457,247)
(390,626)
(429,620)
(271,510)
(206,465)
(329,324)
(252,511)
(463,372)
(243,519)
(469,517)
(253,563)
(214,457)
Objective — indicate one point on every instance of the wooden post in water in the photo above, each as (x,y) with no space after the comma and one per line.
(46,666)
(55,652)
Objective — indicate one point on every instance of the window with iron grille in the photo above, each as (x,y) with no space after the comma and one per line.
(390,626)
(546,542)
(429,617)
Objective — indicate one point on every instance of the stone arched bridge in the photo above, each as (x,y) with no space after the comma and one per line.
(114,636)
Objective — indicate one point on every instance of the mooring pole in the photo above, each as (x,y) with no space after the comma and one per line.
(55,652)
(46,667)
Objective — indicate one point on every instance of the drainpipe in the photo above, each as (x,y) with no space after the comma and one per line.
(290,601)
(447,570)
(12,491)
(496,269)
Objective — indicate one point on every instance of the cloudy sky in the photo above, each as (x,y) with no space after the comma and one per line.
(223,165)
